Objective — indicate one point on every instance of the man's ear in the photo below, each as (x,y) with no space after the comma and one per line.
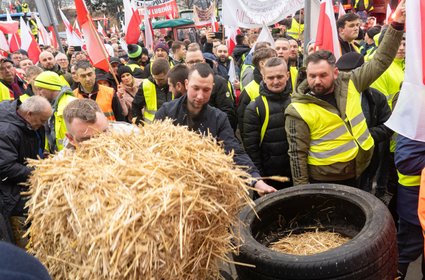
(71,139)
(336,73)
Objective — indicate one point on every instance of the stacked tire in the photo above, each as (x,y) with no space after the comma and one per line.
(370,254)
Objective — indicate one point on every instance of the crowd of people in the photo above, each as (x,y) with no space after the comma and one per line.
(302,115)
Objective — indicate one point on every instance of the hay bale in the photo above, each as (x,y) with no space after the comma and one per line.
(309,243)
(157,205)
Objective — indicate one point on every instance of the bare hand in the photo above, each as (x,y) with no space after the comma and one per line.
(262,188)
(400,12)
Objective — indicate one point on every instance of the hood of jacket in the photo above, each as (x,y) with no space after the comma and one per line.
(9,115)
(239,50)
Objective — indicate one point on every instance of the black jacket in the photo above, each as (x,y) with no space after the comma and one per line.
(244,99)
(210,120)
(271,156)
(221,98)
(17,143)
(376,111)
(238,52)
(162,95)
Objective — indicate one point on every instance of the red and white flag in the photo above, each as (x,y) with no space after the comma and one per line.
(4,45)
(148,30)
(14,38)
(214,24)
(231,33)
(9,27)
(95,48)
(341,10)
(100,29)
(327,34)
(408,117)
(28,42)
(132,22)
(53,38)
(77,30)
(43,35)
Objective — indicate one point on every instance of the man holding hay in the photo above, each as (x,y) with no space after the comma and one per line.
(193,111)
(21,137)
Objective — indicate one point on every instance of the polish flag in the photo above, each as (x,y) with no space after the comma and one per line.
(341,10)
(132,22)
(29,43)
(9,27)
(327,35)
(408,117)
(214,24)
(100,29)
(148,29)
(231,33)
(4,45)
(43,35)
(14,38)
(95,48)
(77,30)
(53,38)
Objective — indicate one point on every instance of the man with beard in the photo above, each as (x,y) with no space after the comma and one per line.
(223,61)
(328,137)
(48,63)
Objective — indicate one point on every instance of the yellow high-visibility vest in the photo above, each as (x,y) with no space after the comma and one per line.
(331,140)
(253,90)
(296,29)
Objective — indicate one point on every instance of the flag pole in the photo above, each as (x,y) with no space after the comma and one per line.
(307,29)
(103,49)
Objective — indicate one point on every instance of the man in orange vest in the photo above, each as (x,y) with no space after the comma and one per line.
(104,96)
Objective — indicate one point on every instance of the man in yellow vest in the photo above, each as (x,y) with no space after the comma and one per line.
(328,137)
(296,26)
(264,136)
(283,49)
(153,92)
(49,85)
(348,27)
(161,50)
(252,90)
(11,86)
(104,96)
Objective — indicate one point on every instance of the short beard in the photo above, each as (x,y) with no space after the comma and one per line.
(321,91)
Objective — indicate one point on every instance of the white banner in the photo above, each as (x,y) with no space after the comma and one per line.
(253,13)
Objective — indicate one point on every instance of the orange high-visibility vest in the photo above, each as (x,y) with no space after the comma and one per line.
(103,99)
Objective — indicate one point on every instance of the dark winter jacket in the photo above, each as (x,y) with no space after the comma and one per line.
(17,143)
(162,95)
(238,52)
(221,98)
(210,120)
(409,159)
(271,155)
(376,111)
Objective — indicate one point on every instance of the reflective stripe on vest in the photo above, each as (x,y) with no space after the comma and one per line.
(253,90)
(409,180)
(294,73)
(266,118)
(331,140)
(149,92)
(365,3)
(230,92)
(243,69)
(103,99)
(296,29)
